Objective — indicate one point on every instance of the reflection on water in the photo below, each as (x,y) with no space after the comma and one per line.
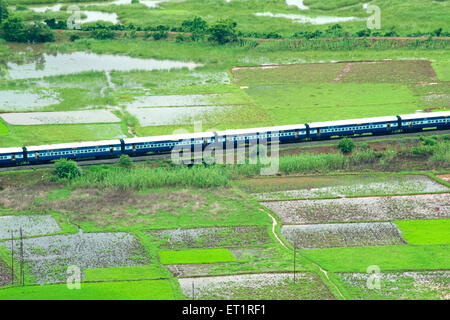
(299,18)
(76,62)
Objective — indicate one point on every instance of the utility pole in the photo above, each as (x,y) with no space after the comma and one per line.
(12,257)
(294,260)
(21,257)
(193,293)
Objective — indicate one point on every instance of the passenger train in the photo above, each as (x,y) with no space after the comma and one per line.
(285,134)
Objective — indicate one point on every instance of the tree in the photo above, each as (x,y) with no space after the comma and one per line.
(4,13)
(13,29)
(38,32)
(195,25)
(346,145)
(67,169)
(223,31)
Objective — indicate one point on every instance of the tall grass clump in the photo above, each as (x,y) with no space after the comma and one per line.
(441,154)
(144,177)
(304,163)
(365,155)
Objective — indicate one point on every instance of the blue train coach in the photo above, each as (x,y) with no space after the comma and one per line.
(419,121)
(108,148)
(10,156)
(378,125)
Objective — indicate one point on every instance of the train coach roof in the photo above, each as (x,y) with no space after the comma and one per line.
(10,150)
(74,145)
(425,115)
(173,137)
(263,129)
(351,121)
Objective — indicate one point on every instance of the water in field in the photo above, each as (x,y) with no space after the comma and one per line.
(63,117)
(175,115)
(299,18)
(76,62)
(14,100)
(298,3)
(175,100)
(57,7)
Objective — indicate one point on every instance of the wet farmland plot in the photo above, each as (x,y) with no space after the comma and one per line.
(256,286)
(401,285)
(342,235)
(407,184)
(49,257)
(212,237)
(429,206)
(31,226)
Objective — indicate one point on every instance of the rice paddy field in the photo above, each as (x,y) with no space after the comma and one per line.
(156,231)
(194,238)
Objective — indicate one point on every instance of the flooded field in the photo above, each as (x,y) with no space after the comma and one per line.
(76,62)
(177,100)
(256,286)
(299,18)
(176,115)
(298,3)
(49,257)
(430,206)
(212,237)
(63,117)
(32,225)
(402,285)
(15,100)
(345,186)
(342,235)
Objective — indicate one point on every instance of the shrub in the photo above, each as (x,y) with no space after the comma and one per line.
(180,38)
(74,37)
(346,145)
(223,31)
(161,34)
(125,161)
(67,169)
(4,13)
(441,154)
(103,34)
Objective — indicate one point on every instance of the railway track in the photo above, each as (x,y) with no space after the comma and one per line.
(285,146)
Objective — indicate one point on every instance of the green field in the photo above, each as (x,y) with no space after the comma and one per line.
(122,290)
(146,272)
(388,258)
(195,256)
(425,232)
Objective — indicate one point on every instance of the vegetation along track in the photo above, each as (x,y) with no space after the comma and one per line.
(167,155)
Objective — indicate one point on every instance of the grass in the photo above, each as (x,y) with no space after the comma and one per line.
(3,128)
(121,290)
(46,134)
(425,232)
(388,258)
(146,272)
(195,256)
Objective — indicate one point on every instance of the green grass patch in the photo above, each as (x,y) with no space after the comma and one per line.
(146,272)
(425,231)
(123,290)
(3,129)
(195,256)
(388,258)
(45,134)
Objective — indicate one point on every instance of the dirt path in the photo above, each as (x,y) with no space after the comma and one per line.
(274,224)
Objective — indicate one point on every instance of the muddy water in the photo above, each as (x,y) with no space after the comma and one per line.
(76,62)
(299,18)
